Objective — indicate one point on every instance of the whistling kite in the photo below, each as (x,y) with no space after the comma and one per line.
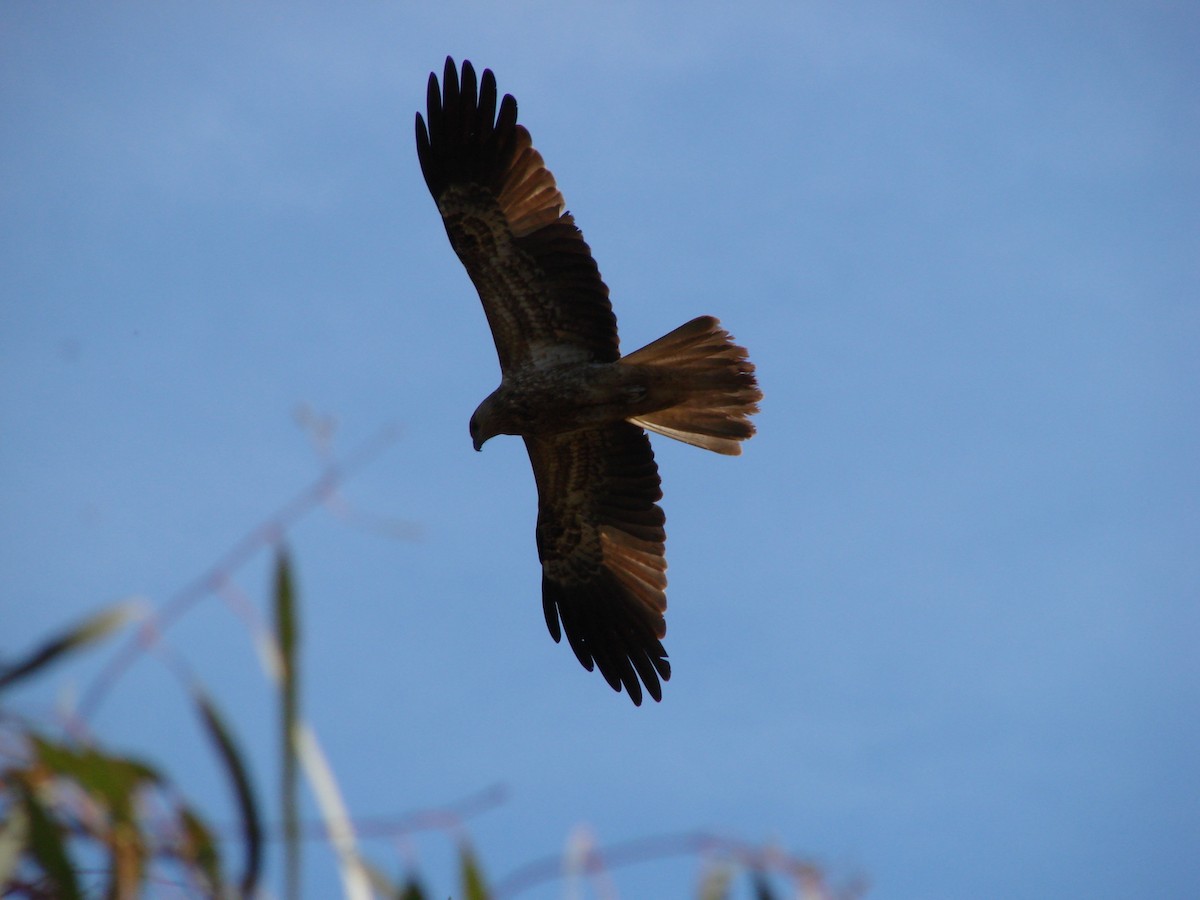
(566,389)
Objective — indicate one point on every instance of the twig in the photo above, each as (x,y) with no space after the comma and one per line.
(807,877)
(266,533)
(441,818)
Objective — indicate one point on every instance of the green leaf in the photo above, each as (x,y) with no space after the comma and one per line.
(715,884)
(14,838)
(113,784)
(285,609)
(198,851)
(111,781)
(383,886)
(762,887)
(286,632)
(235,768)
(472,878)
(412,890)
(47,840)
(88,631)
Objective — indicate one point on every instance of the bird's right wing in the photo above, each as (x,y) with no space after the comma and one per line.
(506,219)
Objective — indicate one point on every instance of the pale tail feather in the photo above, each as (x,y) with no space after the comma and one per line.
(722,390)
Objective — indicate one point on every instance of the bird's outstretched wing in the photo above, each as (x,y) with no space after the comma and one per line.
(600,538)
(506,220)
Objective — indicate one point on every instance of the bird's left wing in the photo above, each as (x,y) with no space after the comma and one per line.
(507,222)
(600,538)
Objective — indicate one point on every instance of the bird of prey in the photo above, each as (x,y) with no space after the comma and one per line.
(565,388)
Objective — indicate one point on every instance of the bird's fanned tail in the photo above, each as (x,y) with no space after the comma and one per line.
(721,392)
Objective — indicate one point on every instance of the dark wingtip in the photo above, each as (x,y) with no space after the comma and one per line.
(550,610)
(626,650)
(459,139)
(433,95)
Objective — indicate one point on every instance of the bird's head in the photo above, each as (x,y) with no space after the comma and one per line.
(483,423)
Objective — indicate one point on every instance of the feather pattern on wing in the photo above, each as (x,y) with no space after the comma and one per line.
(506,219)
(601,541)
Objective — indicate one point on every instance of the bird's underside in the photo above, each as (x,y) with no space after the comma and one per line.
(579,405)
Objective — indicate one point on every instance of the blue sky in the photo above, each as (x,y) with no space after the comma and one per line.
(935,628)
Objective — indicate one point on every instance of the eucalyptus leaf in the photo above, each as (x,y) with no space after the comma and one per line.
(474,887)
(239,778)
(48,843)
(86,632)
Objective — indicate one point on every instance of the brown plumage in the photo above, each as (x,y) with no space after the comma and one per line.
(565,388)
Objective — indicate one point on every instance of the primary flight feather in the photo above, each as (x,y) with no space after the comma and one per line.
(580,406)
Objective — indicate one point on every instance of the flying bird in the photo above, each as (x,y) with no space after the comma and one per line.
(581,407)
